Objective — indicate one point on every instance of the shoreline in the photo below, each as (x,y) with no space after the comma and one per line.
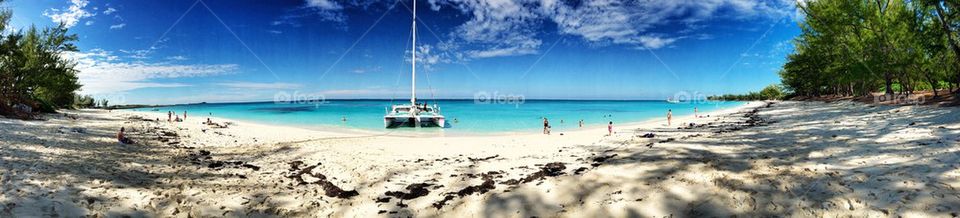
(354,131)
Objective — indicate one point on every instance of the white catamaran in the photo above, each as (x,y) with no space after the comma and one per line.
(414,114)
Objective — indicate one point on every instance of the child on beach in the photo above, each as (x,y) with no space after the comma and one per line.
(169,116)
(610,128)
(669,117)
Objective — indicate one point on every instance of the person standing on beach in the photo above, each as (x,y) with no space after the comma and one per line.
(669,117)
(581,123)
(169,116)
(610,128)
(546,126)
(184,115)
(696,113)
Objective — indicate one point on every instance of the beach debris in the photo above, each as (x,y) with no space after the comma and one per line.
(199,157)
(204,157)
(487,185)
(168,133)
(78,130)
(648,135)
(439,204)
(753,120)
(483,159)
(490,174)
(484,187)
(330,189)
(597,161)
(667,140)
(251,166)
(415,190)
(579,171)
(549,170)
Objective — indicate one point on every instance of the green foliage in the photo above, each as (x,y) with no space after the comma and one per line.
(85,101)
(771,92)
(33,71)
(861,46)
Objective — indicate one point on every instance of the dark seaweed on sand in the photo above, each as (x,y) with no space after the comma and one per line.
(329,189)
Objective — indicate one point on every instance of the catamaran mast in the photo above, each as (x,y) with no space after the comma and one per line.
(413,83)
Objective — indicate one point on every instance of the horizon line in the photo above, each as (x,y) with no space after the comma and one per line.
(384,99)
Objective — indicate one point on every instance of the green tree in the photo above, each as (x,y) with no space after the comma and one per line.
(33,70)
(856,47)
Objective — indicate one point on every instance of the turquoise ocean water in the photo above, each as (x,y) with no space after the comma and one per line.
(467,116)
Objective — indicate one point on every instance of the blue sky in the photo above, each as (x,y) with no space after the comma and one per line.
(183,51)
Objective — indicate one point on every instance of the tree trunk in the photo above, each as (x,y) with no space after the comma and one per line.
(888,82)
(932,81)
(946,28)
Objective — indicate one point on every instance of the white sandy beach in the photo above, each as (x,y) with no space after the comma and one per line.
(788,159)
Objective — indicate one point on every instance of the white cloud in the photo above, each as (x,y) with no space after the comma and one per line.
(88,23)
(498,28)
(253,85)
(138,54)
(324,4)
(118,26)
(429,55)
(654,42)
(109,11)
(71,15)
(511,27)
(177,58)
(326,10)
(609,21)
(100,72)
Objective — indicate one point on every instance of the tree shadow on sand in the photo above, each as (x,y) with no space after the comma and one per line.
(812,159)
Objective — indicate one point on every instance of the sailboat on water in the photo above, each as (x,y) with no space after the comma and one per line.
(414,114)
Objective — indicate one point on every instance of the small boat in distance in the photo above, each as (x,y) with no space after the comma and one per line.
(673,101)
(414,114)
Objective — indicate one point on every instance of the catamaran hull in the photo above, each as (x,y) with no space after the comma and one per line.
(391,122)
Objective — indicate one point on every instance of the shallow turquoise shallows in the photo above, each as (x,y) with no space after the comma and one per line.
(465,116)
